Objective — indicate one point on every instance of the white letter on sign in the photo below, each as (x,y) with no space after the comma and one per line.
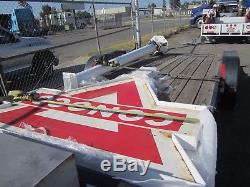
(65,100)
(105,165)
(75,109)
(158,123)
(103,114)
(132,117)
(119,164)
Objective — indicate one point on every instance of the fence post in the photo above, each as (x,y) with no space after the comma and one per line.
(180,15)
(164,15)
(133,22)
(137,24)
(96,29)
(152,19)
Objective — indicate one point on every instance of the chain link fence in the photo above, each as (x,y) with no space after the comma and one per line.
(39,41)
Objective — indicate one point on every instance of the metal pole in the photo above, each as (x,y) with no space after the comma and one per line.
(137,24)
(164,15)
(133,22)
(74,12)
(180,15)
(152,19)
(96,29)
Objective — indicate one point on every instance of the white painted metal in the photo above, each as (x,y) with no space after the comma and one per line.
(134,55)
(137,23)
(73,80)
(159,43)
(226,29)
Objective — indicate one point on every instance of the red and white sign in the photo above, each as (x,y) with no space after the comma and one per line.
(132,136)
(211,28)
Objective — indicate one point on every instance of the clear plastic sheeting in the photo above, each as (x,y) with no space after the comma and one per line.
(85,154)
(29,128)
(156,80)
(93,80)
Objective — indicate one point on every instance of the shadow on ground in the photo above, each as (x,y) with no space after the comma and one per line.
(233,161)
(230,40)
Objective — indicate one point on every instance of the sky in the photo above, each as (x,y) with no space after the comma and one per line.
(7,7)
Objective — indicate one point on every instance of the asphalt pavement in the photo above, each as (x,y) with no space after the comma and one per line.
(74,45)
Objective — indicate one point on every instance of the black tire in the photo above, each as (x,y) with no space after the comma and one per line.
(198,22)
(42,65)
(230,76)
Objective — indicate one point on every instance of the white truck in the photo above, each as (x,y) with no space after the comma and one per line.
(227,24)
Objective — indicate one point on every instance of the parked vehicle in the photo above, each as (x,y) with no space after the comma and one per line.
(18,53)
(196,15)
(197,12)
(228,20)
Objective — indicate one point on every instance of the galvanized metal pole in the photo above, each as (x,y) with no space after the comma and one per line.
(180,15)
(152,20)
(96,29)
(133,22)
(164,15)
(137,24)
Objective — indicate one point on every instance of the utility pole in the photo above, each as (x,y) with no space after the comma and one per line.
(137,24)
(96,29)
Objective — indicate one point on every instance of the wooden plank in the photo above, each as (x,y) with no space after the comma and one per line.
(175,65)
(209,87)
(174,73)
(179,84)
(192,87)
(160,60)
(169,62)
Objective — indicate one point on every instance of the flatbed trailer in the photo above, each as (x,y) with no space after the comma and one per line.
(193,78)
(195,82)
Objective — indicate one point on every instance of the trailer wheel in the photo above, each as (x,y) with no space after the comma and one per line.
(229,72)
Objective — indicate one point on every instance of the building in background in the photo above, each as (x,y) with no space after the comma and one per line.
(124,11)
(113,17)
(66,20)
